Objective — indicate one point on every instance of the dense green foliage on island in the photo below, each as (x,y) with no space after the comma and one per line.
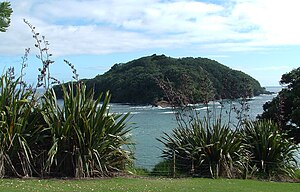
(136,81)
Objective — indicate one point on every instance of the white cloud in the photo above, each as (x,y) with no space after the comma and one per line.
(276,20)
(110,26)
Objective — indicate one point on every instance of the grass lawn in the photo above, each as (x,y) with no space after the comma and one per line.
(145,184)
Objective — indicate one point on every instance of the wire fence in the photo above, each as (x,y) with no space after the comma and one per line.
(180,166)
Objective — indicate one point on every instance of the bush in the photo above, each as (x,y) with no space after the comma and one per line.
(271,152)
(213,150)
(20,126)
(86,140)
(203,149)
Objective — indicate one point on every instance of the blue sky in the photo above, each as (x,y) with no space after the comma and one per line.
(258,37)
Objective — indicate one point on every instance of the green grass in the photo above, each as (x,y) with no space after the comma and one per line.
(145,184)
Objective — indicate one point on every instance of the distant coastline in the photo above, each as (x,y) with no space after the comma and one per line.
(273,89)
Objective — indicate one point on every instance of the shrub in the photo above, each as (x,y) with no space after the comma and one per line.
(271,152)
(204,149)
(86,140)
(40,137)
(20,126)
(257,149)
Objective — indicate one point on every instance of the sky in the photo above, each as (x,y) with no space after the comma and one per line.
(258,37)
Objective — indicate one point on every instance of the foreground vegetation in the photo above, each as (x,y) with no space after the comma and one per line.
(254,150)
(40,137)
(146,184)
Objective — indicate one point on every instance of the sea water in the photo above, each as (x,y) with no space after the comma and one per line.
(150,123)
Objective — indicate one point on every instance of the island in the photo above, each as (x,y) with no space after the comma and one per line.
(140,81)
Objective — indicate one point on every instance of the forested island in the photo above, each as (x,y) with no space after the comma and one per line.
(137,81)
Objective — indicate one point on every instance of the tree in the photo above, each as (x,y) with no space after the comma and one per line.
(5,13)
(285,107)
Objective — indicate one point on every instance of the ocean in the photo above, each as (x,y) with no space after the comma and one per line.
(149,123)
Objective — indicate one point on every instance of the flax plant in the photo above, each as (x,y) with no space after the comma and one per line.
(271,151)
(20,126)
(204,149)
(87,140)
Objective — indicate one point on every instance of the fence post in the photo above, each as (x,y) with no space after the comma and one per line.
(174,164)
(193,168)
